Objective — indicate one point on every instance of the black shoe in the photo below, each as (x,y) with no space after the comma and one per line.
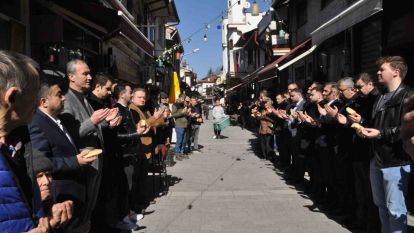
(356,226)
(336,213)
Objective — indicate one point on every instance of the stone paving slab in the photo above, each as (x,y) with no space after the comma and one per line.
(227,189)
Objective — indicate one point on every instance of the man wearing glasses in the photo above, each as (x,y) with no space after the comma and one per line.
(343,157)
(367,212)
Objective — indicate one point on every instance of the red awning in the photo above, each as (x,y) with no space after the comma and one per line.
(274,64)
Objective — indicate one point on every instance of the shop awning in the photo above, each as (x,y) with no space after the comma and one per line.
(104,21)
(233,88)
(352,15)
(275,64)
(297,58)
(245,38)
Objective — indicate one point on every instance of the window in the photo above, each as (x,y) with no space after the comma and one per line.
(301,13)
(324,3)
(300,75)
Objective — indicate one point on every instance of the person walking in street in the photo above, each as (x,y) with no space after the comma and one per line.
(218,114)
(390,167)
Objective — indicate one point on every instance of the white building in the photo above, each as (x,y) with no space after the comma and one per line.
(239,20)
(187,75)
(205,86)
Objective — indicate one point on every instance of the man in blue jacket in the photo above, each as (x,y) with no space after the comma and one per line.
(19,84)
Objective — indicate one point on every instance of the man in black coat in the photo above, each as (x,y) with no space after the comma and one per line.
(366,211)
(113,204)
(390,165)
(128,135)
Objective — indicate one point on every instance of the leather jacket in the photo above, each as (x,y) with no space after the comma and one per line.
(127,132)
(387,149)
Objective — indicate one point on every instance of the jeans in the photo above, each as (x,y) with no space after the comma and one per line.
(196,131)
(389,187)
(179,144)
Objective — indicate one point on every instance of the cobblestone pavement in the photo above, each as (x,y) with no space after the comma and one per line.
(226,188)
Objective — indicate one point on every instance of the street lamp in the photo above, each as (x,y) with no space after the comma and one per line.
(185,54)
(194,51)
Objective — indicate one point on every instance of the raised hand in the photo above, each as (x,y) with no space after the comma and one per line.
(113,112)
(159,113)
(42,226)
(331,111)
(115,122)
(141,130)
(355,118)
(341,119)
(85,161)
(368,133)
(322,110)
(99,115)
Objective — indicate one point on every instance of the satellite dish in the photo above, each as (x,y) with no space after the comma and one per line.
(246,5)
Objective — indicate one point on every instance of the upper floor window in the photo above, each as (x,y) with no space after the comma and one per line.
(324,3)
(301,13)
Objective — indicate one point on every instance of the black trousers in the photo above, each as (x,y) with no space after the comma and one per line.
(266,142)
(325,155)
(217,132)
(139,191)
(283,139)
(243,119)
(344,181)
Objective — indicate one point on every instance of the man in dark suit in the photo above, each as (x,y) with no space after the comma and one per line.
(48,135)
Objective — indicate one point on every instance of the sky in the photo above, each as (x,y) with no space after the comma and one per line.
(194,15)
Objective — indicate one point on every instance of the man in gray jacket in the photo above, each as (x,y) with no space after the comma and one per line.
(85,126)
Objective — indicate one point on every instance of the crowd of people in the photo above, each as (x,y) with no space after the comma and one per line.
(75,157)
(349,136)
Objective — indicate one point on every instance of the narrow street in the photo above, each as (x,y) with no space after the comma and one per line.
(227,188)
